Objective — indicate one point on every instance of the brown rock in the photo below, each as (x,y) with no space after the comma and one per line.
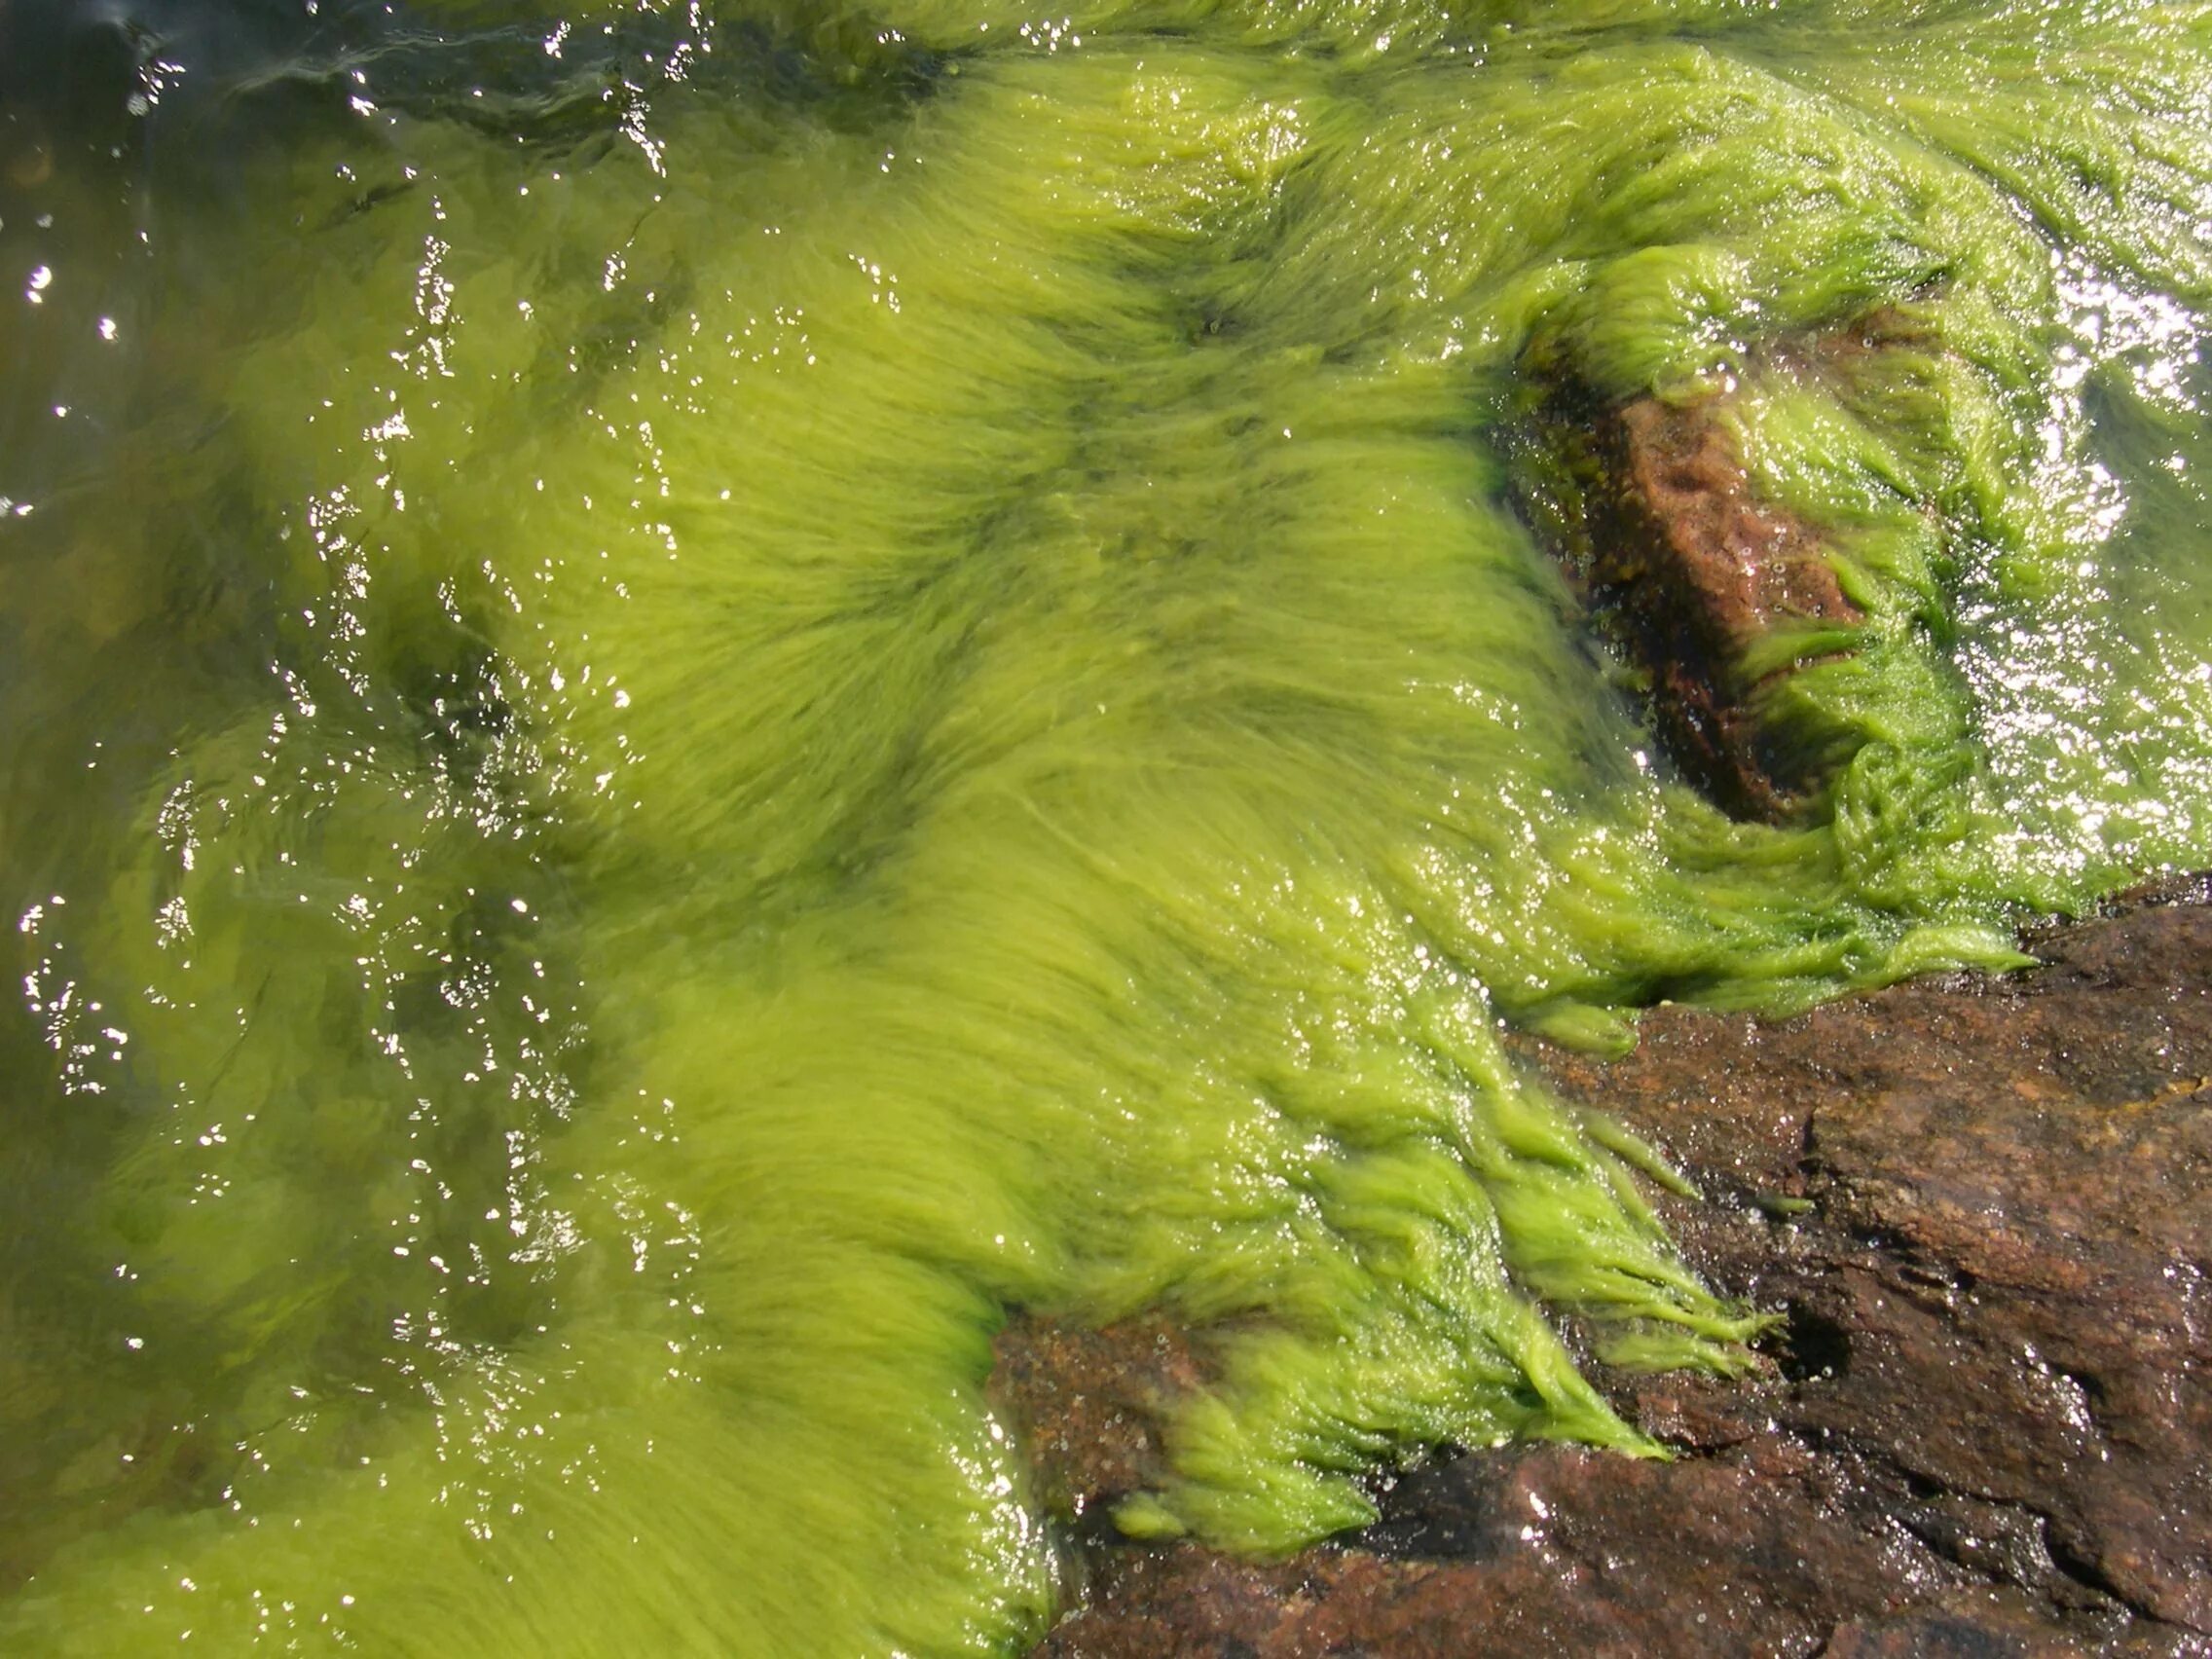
(1702,542)
(2000,1299)
(1984,1212)
(1561,1551)
(1693,575)
(1943,1636)
(1697,572)
(1088,1404)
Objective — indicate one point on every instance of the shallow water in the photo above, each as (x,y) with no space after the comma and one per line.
(697,696)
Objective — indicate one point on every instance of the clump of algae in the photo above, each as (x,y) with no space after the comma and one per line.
(912,691)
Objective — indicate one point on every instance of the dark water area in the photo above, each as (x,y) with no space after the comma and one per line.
(700,696)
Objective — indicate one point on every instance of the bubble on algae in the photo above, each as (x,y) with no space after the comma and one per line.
(905,684)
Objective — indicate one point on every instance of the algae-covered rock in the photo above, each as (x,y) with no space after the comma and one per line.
(1719,596)
(1981,1209)
(806,676)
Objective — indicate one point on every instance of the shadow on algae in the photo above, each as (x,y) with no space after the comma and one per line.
(699,696)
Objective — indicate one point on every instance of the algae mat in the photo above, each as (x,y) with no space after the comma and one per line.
(698,697)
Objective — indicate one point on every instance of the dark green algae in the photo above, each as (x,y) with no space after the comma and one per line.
(706,694)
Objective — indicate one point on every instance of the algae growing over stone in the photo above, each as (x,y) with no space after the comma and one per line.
(700,696)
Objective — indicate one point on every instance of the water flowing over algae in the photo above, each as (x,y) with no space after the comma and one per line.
(702,696)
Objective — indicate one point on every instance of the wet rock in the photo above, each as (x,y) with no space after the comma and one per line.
(2000,1296)
(1088,1404)
(1697,572)
(1945,1636)
(1982,1212)
(1691,573)
(1560,1551)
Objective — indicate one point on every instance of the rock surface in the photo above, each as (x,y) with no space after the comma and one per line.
(1709,592)
(1983,1212)
(1697,572)
(1089,1403)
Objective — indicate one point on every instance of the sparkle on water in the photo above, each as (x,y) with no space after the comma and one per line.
(701,694)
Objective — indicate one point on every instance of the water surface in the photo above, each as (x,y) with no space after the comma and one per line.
(697,696)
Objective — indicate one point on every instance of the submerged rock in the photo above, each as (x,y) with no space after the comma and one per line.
(1713,591)
(1698,570)
(1979,1209)
(1091,1403)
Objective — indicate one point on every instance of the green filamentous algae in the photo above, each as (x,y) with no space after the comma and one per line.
(700,695)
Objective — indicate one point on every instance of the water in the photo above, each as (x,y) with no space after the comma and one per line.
(699,695)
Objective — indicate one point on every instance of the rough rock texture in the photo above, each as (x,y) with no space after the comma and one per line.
(1983,1211)
(1089,1403)
(1739,566)
(1689,571)
(1698,571)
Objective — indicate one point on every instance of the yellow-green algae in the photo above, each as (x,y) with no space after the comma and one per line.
(893,676)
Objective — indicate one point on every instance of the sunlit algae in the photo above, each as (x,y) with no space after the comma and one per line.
(911,683)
